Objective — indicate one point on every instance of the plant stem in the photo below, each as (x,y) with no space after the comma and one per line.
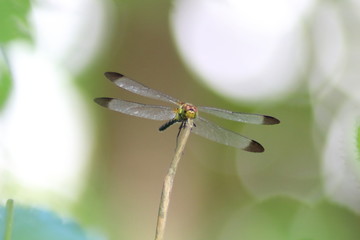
(169,179)
(9,219)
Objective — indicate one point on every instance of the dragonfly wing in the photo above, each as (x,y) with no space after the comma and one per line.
(138,88)
(218,134)
(240,117)
(153,112)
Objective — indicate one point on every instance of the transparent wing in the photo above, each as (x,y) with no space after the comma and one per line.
(137,88)
(218,134)
(153,112)
(240,117)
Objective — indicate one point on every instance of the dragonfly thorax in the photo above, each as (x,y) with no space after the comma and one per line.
(186,111)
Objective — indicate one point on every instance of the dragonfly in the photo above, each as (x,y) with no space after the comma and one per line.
(182,112)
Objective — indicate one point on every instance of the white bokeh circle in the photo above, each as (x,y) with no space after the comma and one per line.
(44,128)
(341,166)
(248,50)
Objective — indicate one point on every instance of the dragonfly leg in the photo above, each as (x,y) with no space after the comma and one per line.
(182,125)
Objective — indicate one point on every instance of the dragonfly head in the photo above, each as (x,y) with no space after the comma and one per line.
(186,111)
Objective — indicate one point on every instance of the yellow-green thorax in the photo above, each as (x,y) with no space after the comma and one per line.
(185,111)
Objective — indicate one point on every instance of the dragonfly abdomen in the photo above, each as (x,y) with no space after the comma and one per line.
(168,124)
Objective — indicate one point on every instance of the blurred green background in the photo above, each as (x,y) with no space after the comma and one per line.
(60,151)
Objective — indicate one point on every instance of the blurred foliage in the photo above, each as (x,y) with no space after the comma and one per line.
(14,22)
(39,224)
(5,81)
(14,25)
(282,218)
(358,142)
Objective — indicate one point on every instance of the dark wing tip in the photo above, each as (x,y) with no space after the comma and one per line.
(270,120)
(112,76)
(254,147)
(103,101)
